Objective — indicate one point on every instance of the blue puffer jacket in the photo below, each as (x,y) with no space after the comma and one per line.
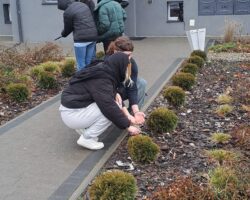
(78,19)
(110,19)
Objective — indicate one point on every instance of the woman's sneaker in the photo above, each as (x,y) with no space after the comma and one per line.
(81,132)
(89,143)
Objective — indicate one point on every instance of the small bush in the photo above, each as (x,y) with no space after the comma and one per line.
(175,95)
(241,137)
(223,47)
(50,66)
(196,60)
(224,181)
(221,155)
(220,138)
(200,53)
(184,80)
(47,81)
(142,149)
(190,68)
(162,120)
(224,99)
(224,110)
(113,185)
(36,71)
(100,55)
(183,189)
(18,92)
(68,67)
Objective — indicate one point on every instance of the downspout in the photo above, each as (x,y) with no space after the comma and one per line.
(135,25)
(19,21)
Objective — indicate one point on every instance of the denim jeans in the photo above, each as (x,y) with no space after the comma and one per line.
(84,53)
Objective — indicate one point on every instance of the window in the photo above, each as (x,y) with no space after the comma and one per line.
(6,12)
(49,2)
(224,7)
(175,11)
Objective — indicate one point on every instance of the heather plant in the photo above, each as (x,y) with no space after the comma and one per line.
(175,95)
(220,138)
(36,71)
(196,60)
(224,181)
(18,92)
(113,185)
(224,99)
(224,110)
(221,155)
(47,81)
(162,120)
(190,68)
(68,67)
(223,47)
(241,137)
(183,189)
(50,66)
(184,80)
(142,149)
(200,53)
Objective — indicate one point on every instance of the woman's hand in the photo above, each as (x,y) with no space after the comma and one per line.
(139,117)
(131,119)
(133,130)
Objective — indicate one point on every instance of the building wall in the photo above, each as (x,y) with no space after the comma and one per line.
(150,19)
(5,29)
(39,22)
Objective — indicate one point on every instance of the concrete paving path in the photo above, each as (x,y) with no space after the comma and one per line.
(39,157)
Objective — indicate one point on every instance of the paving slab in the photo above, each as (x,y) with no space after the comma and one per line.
(39,155)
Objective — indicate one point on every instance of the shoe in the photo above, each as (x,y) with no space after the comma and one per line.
(81,132)
(89,143)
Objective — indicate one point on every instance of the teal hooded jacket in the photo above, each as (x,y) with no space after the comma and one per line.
(110,17)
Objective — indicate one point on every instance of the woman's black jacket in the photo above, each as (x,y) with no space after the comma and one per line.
(98,84)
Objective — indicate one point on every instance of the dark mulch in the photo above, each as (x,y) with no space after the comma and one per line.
(182,151)
(10,109)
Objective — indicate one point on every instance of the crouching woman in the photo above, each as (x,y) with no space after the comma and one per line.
(90,102)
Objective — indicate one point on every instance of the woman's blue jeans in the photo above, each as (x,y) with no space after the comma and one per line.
(84,53)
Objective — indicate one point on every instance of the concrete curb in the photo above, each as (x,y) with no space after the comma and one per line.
(72,187)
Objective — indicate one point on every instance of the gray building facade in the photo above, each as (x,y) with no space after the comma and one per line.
(40,20)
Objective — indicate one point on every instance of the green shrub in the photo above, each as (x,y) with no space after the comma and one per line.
(162,120)
(175,95)
(142,149)
(18,91)
(200,53)
(100,55)
(223,47)
(184,80)
(224,110)
(68,67)
(190,68)
(113,185)
(220,138)
(196,60)
(224,181)
(224,99)
(50,66)
(36,71)
(47,81)
(221,155)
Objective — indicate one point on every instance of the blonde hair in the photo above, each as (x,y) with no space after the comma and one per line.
(122,43)
(128,79)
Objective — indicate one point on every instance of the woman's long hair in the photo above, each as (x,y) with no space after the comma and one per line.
(122,43)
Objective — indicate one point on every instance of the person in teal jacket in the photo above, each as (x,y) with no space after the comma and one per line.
(110,17)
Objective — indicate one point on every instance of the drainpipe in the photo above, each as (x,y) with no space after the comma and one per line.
(19,20)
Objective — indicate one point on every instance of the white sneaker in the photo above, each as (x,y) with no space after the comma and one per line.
(81,132)
(89,143)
